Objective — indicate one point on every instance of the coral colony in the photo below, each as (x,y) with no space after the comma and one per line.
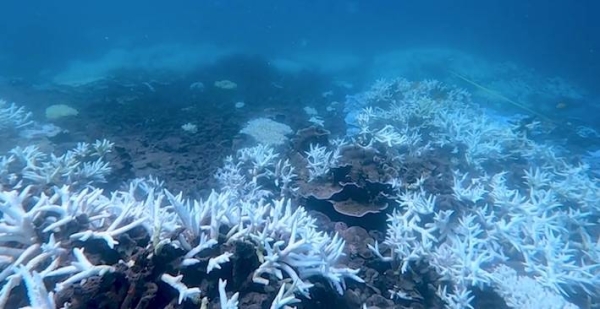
(529,235)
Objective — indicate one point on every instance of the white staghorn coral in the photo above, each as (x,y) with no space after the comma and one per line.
(320,161)
(79,270)
(83,165)
(182,289)
(544,224)
(284,235)
(227,303)
(288,239)
(13,117)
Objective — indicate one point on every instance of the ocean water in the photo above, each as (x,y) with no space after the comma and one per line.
(329,154)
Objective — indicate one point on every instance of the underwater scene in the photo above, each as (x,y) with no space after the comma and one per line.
(300,154)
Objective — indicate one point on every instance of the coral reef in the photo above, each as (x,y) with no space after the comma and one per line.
(426,202)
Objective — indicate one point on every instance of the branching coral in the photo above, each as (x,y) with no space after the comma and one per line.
(543,223)
(539,218)
(285,236)
(13,117)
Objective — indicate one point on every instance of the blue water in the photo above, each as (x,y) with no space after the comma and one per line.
(38,39)
(519,59)
(558,37)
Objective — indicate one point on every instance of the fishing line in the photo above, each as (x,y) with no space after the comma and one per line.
(492,92)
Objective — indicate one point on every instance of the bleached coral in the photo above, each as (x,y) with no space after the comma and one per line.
(244,175)
(190,128)
(544,223)
(13,117)
(525,292)
(215,263)
(17,222)
(285,296)
(83,165)
(184,291)
(419,115)
(266,131)
(227,303)
(38,295)
(79,270)
(287,238)
(320,160)
(125,215)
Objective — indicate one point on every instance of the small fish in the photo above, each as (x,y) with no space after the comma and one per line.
(561,105)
